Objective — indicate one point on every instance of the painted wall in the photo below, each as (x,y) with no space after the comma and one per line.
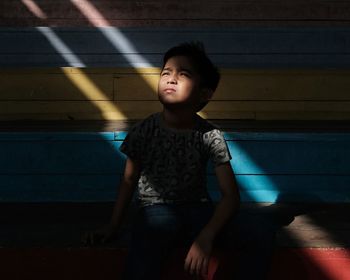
(99,60)
(87,166)
(83,60)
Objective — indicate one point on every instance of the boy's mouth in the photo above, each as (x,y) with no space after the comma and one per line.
(169,90)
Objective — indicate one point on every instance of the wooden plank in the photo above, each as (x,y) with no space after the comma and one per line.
(60,157)
(290,157)
(87,187)
(285,136)
(294,188)
(239,60)
(149,41)
(277,110)
(235,85)
(251,85)
(155,13)
(267,169)
(76,110)
(244,47)
(254,126)
(126,110)
(60,86)
(136,87)
(40,136)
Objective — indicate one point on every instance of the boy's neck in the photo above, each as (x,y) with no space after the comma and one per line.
(179,120)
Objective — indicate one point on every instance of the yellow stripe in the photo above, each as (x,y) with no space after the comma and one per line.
(119,94)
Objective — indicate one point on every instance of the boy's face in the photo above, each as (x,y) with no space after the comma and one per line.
(179,84)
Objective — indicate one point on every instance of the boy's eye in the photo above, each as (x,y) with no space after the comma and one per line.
(185,74)
(165,73)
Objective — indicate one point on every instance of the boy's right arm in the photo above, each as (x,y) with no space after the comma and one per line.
(125,193)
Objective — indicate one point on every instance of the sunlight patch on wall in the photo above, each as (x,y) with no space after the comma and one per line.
(254,187)
(113,35)
(60,47)
(108,109)
(34,9)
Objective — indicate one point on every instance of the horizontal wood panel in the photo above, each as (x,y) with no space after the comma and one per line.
(251,85)
(288,188)
(53,154)
(70,136)
(60,166)
(121,13)
(97,187)
(63,187)
(239,60)
(123,110)
(271,196)
(290,157)
(281,136)
(131,47)
(336,185)
(157,40)
(56,86)
(61,157)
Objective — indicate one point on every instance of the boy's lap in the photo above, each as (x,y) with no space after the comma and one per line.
(180,225)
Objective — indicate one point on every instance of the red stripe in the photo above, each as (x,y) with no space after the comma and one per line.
(100,263)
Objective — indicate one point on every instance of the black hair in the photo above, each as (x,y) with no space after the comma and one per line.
(208,72)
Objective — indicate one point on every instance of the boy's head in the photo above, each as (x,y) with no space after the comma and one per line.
(205,76)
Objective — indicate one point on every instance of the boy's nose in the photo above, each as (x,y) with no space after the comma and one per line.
(172,80)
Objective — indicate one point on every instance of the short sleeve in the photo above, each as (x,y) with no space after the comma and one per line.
(132,144)
(218,149)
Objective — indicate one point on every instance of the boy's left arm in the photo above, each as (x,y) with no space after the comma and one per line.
(198,256)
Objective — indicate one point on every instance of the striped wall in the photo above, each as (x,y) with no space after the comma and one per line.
(87,166)
(99,60)
(121,94)
(84,63)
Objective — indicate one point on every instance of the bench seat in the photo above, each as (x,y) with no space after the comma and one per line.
(43,239)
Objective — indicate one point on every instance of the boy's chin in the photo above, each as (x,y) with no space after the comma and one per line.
(168,104)
(174,105)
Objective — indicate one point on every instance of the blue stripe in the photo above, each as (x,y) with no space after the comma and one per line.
(86,166)
(228,47)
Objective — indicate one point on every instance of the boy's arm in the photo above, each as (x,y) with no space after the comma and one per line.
(125,193)
(229,202)
(198,256)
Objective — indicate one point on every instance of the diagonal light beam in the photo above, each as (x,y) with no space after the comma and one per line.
(81,81)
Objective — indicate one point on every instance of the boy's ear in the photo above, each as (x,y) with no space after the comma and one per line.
(207,94)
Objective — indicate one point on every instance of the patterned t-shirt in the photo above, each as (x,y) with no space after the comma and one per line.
(174,162)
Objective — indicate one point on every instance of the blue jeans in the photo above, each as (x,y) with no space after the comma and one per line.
(160,228)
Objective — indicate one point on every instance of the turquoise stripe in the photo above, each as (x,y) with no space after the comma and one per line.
(86,166)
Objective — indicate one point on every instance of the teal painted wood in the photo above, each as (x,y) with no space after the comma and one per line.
(57,136)
(60,157)
(228,47)
(264,157)
(289,188)
(58,187)
(85,166)
(273,136)
(288,136)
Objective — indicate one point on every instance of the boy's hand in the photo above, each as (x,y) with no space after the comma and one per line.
(197,259)
(102,235)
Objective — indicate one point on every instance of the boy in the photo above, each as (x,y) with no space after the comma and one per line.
(167,155)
